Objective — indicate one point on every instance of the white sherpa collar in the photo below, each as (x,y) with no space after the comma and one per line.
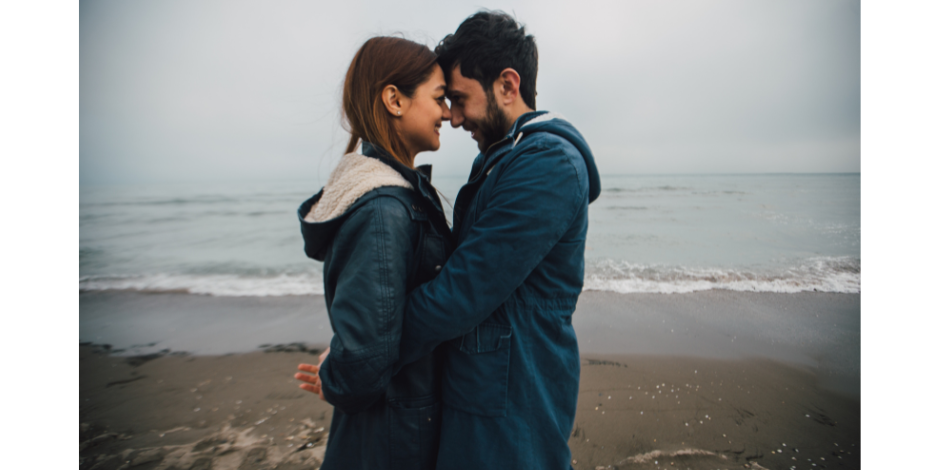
(354,176)
(545,117)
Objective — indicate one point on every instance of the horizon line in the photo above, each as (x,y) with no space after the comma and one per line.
(449,175)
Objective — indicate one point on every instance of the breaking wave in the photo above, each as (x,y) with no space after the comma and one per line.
(222,285)
(840,275)
(823,274)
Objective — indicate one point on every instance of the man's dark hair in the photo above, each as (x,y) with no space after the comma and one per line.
(487,43)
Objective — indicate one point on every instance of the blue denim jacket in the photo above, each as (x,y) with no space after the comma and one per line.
(502,304)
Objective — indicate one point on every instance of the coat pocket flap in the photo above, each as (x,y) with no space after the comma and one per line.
(486,337)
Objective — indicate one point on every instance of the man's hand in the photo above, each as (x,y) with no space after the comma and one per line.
(312,384)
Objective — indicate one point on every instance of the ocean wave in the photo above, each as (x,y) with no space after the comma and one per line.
(220,285)
(822,274)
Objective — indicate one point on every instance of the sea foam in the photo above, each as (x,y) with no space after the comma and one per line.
(839,275)
(221,285)
(821,274)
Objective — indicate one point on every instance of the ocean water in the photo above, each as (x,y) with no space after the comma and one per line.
(661,234)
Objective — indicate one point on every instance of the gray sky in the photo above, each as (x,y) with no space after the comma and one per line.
(235,90)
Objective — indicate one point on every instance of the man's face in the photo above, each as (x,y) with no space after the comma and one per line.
(476,110)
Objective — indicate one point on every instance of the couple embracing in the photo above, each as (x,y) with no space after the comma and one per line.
(453,347)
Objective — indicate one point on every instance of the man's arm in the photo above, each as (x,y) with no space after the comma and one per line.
(533,204)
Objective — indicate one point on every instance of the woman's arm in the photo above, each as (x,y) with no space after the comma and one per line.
(370,261)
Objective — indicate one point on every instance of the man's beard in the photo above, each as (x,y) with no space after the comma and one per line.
(494,126)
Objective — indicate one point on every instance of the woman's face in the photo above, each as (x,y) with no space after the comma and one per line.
(423,114)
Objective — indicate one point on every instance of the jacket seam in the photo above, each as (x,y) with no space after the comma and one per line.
(577,178)
(381,247)
(412,199)
(542,144)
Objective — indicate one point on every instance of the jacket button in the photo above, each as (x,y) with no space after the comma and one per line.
(437,268)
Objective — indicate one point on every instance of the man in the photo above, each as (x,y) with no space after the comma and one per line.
(502,304)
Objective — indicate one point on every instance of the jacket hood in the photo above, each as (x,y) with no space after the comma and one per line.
(355,176)
(554,123)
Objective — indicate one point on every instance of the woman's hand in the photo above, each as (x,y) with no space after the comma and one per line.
(312,384)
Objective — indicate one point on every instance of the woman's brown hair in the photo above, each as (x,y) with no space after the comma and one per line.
(380,62)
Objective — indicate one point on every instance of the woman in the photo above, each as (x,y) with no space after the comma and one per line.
(379,229)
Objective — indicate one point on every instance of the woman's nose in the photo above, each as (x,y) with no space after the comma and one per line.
(447,114)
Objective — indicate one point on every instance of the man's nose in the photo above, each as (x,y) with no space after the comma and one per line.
(456,118)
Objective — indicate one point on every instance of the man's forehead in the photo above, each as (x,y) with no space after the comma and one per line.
(458,85)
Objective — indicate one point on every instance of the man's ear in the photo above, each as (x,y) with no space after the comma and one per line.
(395,103)
(506,86)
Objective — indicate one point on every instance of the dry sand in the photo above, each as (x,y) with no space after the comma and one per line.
(244,411)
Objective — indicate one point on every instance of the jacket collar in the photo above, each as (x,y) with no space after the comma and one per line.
(486,157)
(525,119)
(420,177)
(514,130)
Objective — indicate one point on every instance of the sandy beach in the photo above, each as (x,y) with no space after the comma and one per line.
(716,379)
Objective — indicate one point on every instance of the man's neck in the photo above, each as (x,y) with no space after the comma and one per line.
(512,114)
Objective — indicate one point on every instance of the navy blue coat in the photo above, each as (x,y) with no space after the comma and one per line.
(502,304)
(384,245)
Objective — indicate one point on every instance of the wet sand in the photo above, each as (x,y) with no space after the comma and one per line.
(745,381)
(650,412)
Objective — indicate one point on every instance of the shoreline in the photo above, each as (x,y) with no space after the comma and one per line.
(818,331)
(245,411)
(746,380)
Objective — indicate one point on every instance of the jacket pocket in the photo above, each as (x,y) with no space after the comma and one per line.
(414,434)
(476,375)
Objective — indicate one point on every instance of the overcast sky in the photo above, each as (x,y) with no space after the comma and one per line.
(239,90)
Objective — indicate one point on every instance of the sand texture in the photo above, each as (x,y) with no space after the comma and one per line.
(708,380)
(244,411)
(658,412)
(240,411)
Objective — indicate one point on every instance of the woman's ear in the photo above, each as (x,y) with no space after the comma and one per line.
(395,102)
